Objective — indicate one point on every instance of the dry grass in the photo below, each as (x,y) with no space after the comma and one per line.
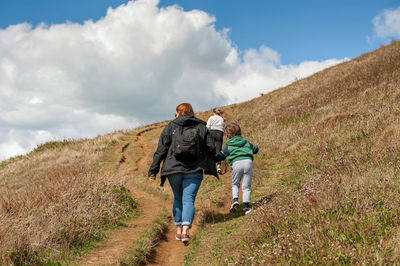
(330,150)
(57,199)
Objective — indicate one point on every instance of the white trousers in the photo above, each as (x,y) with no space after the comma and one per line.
(242,169)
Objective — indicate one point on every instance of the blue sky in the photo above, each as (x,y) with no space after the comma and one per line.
(80,68)
(298,30)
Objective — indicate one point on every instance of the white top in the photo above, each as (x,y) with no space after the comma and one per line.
(215,122)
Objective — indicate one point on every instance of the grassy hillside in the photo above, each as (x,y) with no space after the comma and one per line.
(327,176)
(325,189)
(58,199)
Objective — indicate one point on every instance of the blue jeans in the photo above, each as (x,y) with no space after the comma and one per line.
(185,188)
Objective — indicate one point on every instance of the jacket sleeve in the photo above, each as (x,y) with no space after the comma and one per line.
(209,144)
(164,143)
(254,148)
(222,154)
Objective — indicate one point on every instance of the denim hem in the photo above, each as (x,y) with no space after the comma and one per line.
(187,223)
(177,223)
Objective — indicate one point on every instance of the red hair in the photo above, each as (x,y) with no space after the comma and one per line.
(185,109)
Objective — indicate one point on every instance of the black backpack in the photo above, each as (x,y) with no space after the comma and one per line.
(186,143)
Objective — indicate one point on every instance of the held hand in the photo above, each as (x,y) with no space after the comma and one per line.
(152,178)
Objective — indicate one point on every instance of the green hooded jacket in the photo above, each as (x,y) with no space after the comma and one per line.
(237,148)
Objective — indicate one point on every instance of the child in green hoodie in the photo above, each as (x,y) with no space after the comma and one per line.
(240,156)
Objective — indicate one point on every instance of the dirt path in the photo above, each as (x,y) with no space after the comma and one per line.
(169,251)
(123,238)
(149,209)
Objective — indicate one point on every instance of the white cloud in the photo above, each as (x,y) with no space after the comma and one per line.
(10,148)
(131,67)
(262,72)
(16,141)
(387,23)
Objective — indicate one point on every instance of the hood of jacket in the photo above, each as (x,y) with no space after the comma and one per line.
(237,141)
(187,120)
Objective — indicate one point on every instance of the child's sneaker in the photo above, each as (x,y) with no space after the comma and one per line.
(219,170)
(234,205)
(246,208)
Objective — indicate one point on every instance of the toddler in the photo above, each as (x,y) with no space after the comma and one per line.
(240,156)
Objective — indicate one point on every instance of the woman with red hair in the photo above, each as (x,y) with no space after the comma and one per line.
(187,150)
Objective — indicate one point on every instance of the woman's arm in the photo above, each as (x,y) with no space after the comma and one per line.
(164,143)
(222,154)
(209,144)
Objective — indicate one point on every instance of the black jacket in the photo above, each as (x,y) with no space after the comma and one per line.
(170,164)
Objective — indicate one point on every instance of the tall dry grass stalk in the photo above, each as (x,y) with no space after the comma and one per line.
(56,199)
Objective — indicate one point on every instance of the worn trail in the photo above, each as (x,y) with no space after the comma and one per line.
(149,207)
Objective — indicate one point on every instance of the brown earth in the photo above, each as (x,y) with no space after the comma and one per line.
(149,208)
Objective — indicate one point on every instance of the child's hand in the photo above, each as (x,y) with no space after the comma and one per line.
(152,178)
